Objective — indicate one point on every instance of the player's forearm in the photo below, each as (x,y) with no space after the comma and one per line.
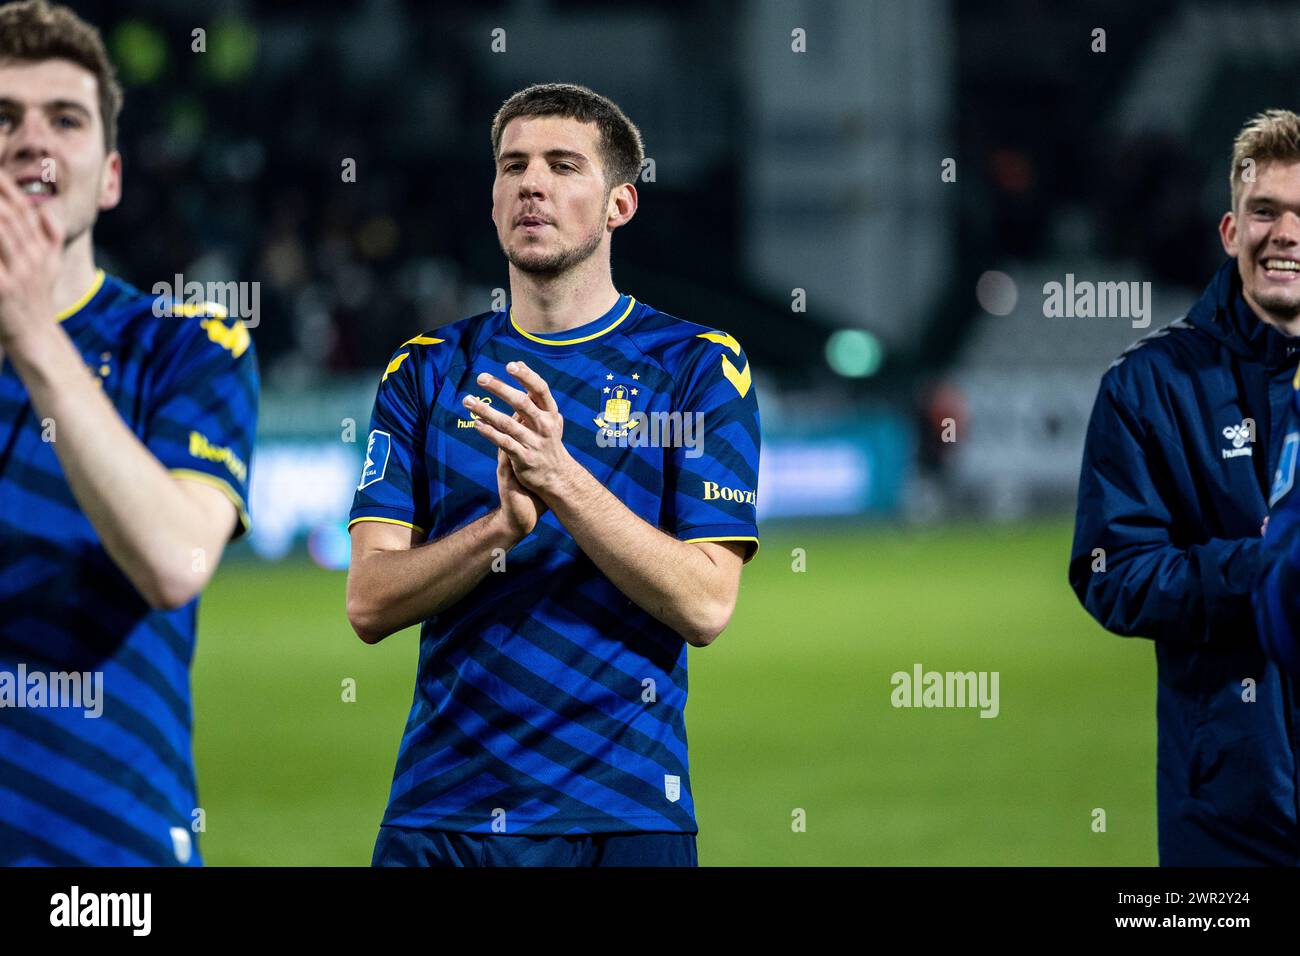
(146,523)
(391,590)
(673,581)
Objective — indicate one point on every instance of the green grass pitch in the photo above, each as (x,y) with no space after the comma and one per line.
(789,711)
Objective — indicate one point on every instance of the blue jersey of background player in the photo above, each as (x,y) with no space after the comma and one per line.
(125,439)
(560,562)
(1277,590)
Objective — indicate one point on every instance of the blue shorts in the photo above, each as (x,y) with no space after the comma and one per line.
(400,846)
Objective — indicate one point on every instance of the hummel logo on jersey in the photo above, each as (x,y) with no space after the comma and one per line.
(1241,436)
(469,422)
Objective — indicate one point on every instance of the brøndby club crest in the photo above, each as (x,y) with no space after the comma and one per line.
(617,419)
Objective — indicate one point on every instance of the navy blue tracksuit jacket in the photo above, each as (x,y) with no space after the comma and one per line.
(1183,443)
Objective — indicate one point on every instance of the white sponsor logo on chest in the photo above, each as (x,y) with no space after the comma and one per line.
(1241,437)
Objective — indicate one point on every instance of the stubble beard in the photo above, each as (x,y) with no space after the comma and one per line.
(556,263)
(1282,307)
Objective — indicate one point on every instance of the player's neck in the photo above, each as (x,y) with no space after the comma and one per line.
(545,306)
(76,273)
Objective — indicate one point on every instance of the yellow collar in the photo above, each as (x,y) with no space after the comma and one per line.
(81,303)
(631,304)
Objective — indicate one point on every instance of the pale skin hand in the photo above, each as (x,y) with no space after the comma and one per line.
(520,504)
(164,533)
(395,581)
(691,587)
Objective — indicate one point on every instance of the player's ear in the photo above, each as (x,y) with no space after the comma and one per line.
(622,205)
(1228,233)
(110,183)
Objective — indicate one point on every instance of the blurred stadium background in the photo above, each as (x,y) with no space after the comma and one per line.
(799,198)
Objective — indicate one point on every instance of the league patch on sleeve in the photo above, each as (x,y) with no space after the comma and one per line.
(1284,478)
(377,448)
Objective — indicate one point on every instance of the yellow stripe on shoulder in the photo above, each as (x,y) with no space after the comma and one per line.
(722,338)
(740,379)
(191,310)
(1295,382)
(394,365)
(233,338)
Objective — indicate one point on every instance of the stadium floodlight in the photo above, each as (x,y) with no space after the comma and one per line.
(854,353)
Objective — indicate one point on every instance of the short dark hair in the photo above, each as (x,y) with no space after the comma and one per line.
(34,30)
(621,148)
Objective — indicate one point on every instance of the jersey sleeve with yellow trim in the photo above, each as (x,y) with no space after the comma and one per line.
(711,486)
(203,409)
(394,485)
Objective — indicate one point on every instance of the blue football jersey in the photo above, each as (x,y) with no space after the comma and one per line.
(546,702)
(95,716)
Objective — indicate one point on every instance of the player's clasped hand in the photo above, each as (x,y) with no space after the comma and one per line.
(532,440)
(31,242)
(520,508)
